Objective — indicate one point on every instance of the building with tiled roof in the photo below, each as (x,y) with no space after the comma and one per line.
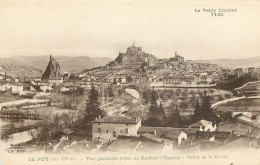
(124,145)
(109,128)
(116,119)
(176,135)
(204,125)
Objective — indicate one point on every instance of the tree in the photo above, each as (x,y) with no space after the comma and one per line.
(183,105)
(161,115)
(154,98)
(161,109)
(197,112)
(220,97)
(228,96)
(110,91)
(92,109)
(157,116)
(205,104)
(176,118)
(79,91)
(153,107)
(207,111)
(129,79)
(146,96)
(178,92)
(185,93)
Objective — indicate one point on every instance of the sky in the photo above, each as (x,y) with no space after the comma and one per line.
(104,29)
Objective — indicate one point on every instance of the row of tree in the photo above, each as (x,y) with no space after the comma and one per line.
(157,116)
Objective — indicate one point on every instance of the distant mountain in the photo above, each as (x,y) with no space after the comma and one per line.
(67,63)
(235,63)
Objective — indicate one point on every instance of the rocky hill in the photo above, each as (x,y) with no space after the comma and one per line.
(52,71)
(132,55)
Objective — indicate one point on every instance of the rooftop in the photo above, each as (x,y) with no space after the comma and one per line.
(166,131)
(117,119)
(241,142)
(124,145)
(202,123)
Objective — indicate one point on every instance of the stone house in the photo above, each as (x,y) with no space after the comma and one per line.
(109,128)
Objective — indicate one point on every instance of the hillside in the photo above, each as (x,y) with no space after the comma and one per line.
(67,63)
(132,56)
(16,70)
(235,63)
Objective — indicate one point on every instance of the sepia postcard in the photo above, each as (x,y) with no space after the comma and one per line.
(130,82)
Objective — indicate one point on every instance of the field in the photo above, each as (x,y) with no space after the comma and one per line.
(246,104)
(5,97)
(250,89)
(186,98)
(46,111)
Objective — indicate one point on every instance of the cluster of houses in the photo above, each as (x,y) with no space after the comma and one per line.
(238,72)
(159,72)
(25,86)
(175,71)
(19,89)
(125,135)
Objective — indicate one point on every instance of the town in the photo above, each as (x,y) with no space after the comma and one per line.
(136,103)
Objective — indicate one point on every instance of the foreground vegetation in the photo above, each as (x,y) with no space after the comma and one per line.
(234,82)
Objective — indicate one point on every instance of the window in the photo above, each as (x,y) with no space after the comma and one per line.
(114,133)
(98,138)
(106,131)
(126,131)
(127,124)
(98,123)
(121,131)
(99,130)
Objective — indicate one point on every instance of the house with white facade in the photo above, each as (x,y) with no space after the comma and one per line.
(45,88)
(109,128)
(204,125)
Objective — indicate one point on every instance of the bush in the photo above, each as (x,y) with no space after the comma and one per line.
(227,96)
